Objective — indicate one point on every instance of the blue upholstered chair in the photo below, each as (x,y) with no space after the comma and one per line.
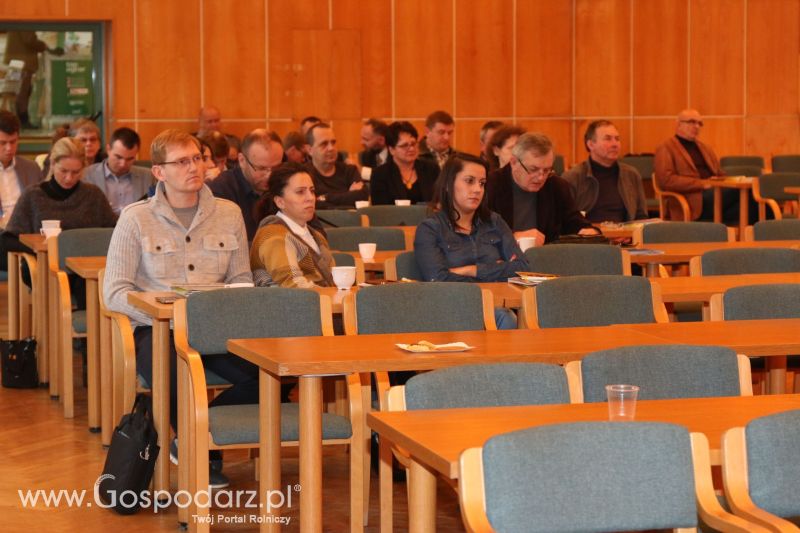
(348,239)
(665,232)
(760,471)
(579,259)
(567,477)
(768,191)
(69,323)
(579,301)
(661,371)
(343,259)
(395,215)
(251,313)
(752,161)
(749,171)
(777,230)
(643,163)
(402,266)
(745,261)
(341,218)
(786,163)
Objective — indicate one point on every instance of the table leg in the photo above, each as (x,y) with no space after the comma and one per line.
(160,391)
(106,382)
(51,306)
(421,498)
(386,485)
(14,311)
(717,204)
(269,456)
(311,453)
(43,333)
(92,355)
(776,366)
(744,211)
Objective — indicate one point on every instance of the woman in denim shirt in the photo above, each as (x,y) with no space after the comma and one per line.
(464,240)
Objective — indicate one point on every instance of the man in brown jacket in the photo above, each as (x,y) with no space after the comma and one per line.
(683,164)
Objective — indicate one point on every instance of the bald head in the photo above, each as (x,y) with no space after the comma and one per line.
(689,124)
(209,119)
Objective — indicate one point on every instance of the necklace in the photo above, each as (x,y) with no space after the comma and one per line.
(412,178)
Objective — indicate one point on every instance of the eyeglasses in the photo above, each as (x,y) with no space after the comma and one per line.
(693,122)
(407,146)
(257,168)
(184,162)
(546,172)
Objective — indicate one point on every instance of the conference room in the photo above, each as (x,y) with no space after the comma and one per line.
(590,196)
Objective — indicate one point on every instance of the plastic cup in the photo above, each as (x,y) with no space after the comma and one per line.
(51,224)
(50,232)
(621,402)
(367,250)
(366,173)
(526,242)
(344,276)
(402,202)
(360,204)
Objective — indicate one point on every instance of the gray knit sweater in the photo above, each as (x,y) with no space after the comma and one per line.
(86,207)
(151,250)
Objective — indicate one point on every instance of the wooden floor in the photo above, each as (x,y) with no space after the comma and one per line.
(42,450)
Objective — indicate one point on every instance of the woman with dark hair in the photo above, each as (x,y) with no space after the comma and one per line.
(286,250)
(464,240)
(403,176)
(499,145)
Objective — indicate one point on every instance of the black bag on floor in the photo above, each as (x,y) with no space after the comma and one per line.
(131,458)
(19,363)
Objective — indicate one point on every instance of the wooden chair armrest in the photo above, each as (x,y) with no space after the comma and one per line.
(471,492)
(687,212)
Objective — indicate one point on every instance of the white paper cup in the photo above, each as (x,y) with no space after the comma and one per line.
(344,276)
(622,402)
(360,204)
(367,250)
(402,202)
(50,232)
(366,173)
(526,242)
(51,224)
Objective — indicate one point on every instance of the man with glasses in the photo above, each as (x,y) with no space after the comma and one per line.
(244,184)
(532,200)
(122,182)
(338,185)
(181,235)
(684,164)
(606,189)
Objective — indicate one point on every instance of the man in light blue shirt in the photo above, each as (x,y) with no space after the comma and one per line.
(122,182)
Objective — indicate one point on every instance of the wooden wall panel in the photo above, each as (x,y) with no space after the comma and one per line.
(648,133)
(373,20)
(348,136)
(282,127)
(659,57)
(423,57)
(484,42)
(169,62)
(716,57)
(724,135)
(602,58)
(236,87)
(768,136)
(148,131)
(35,10)
(327,83)
(285,16)
(468,135)
(544,58)
(773,50)
(241,127)
(559,131)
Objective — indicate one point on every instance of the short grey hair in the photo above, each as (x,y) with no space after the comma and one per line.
(537,143)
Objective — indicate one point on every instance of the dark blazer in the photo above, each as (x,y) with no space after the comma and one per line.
(232,185)
(28,172)
(556,213)
(387,186)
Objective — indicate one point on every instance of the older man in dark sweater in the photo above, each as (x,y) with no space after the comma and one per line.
(337,184)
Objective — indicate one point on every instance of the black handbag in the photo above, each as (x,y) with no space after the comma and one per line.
(582,239)
(19,363)
(131,459)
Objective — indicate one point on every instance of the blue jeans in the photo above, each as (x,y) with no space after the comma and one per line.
(505,318)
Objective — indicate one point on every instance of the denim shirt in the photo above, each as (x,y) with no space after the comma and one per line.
(438,248)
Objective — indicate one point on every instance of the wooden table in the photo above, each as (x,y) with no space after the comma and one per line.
(41,308)
(745,185)
(376,264)
(309,358)
(98,388)
(702,288)
(161,315)
(458,429)
(625,230)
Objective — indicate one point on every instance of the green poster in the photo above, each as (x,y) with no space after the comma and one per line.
(72,87)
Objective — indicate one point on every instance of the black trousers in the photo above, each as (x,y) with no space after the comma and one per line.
(730,207)
(242,374)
